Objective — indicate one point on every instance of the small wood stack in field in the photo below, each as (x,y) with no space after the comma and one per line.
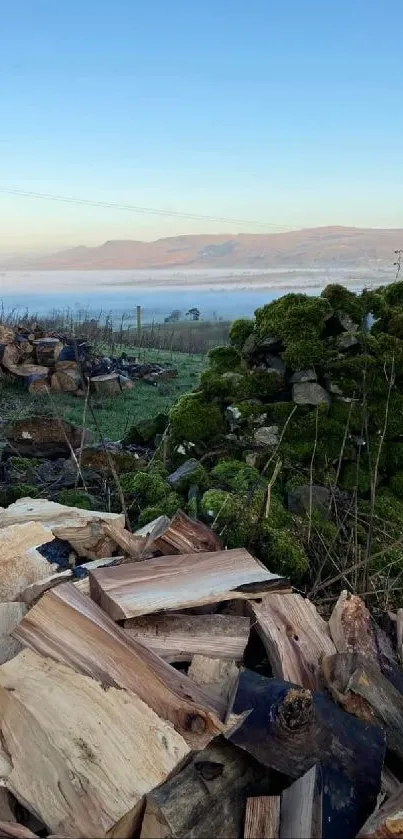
(164,687)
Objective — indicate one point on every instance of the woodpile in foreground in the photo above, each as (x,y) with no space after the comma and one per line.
(161,686)
(54,362)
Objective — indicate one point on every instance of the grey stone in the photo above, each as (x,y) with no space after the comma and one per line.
(299,499)
(335,389)
(347,322)
(346,341)
(304,376)
(250,345)
(310,393)
(275,363)
(184,473)
(235,378)
(270,342)
(234,416)
(267,435)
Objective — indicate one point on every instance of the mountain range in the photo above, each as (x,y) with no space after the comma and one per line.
(314,247)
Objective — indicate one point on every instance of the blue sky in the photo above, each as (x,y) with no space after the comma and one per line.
(285,113)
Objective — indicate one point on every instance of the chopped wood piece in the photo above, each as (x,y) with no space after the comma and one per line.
(82,755)
(20,562)
(130,543)
(389,784)
(47,350)
(186,536)
(178,637)
(7,803)
(387,821)
(179,582)
(7,335)
(288,728)
(262,817)
(217,675)
(10,616)
(301,807)
(356,683)
(83,529)
(67,381)
(34,591)
(44,436)
(12,830)
(107,385)
(295,637)
(70,628)
(157,525)
(206,798)
(350,626)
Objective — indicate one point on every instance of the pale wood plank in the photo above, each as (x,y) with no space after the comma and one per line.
(178,637)
(262,817)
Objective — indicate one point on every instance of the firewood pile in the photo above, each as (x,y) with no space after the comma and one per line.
(49,361)
(160,686)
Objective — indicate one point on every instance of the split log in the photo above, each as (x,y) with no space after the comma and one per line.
(357,684)
(180,582)
(10,616)
(55,385)
(262,817)
(205,799)
(82,756)
(38,383)
(288,728)
(215,674)
(44,436)
(130,543)
(295,637)
(350,626)
(7,334)
(20,561)
(125,383)
(301,808)
(68,627)
(66,381)
(107,385)
(34,591)
(62,366)
(12,830)
(178,637)
(186,536)
(47,350)
(83,529)
(387,821)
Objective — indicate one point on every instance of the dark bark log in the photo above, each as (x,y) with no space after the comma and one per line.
(289,729)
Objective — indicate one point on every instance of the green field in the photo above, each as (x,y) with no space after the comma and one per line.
(113,416)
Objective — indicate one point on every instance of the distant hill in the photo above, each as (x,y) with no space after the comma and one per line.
(315,247)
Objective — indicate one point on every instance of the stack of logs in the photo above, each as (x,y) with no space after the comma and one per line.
(175,689)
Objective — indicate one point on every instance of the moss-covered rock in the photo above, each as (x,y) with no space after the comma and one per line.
(196,420)
(145,430)
(240,331)
(299,322)
(190,473)
(21,464)
(236,476)
(148,487)
(167,507)
(10,494)
(79,498)
(225,360)
(283,553)
(342,300)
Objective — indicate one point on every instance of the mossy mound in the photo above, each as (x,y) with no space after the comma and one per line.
(79,498)
(240,331)
(167,507)
(196,420)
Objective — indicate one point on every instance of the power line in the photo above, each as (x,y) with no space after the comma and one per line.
(135,209)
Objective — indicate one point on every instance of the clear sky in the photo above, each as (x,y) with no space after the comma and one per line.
(288,113)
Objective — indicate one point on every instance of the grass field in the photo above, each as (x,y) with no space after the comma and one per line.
(113,416)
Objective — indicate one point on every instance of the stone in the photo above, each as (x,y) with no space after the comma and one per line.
(43,436)
(270,342)
(185,475)
(276,364)
(308,375)
(346,341)
(97,459)
(234,378)
(299,499)
(250,345)
(267,435)
(233,416)
(145,430)
(310,393)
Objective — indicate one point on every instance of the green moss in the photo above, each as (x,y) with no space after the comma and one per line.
(264,384)
(354,476)
(396,484)
(148,487)
(146,429)
(78,498)
(168,507)
(394,457)
(284,553)
(239,332)
(198,477)
(10,494)
(236,476)
(298,320)
(195,420)
(343,300)
(226,387)
(393,294)
(388,507)
(225,359)
(21,464)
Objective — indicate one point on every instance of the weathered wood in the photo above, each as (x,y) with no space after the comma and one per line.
(178,637)
(10,616)
(186,536)
(82,756)
(288,728)
(350,626)
(12,830)
(20,561)
(7,807)
(43,436)
(295,637)
(83,529)
(38,383)
(205,799)
(107,385)
(33,592)
(130,543)
(67,381)
(179,582)
(68,627)
(47,350)
(301,807)
(262,817)
(215,674)
(7,334)
(387,821)
(359,686)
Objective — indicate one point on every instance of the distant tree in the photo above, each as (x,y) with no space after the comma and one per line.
(193,314)
(174,317)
